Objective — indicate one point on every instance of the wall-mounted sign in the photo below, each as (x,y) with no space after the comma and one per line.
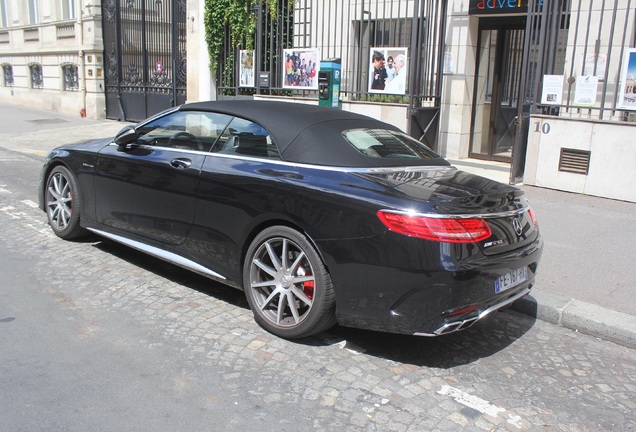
(388,70)
(627,90)
(246,69)
(263,79)
(302,66)
(595,65)
(491,7)
(552,93)
(585,91)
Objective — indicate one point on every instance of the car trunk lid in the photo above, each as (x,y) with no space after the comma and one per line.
(450,193)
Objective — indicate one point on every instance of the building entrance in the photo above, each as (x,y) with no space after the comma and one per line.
(498,72)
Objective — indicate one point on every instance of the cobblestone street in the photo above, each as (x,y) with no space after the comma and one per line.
(508,373)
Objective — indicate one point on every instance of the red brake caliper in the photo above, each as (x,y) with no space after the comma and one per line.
(308,287)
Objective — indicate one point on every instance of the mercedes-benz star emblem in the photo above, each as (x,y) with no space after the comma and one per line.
(516,224)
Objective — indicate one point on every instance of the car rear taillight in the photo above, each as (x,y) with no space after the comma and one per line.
(449,230)
(533,217)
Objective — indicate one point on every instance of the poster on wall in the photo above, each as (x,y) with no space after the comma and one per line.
(246,69)
(595,65)
(627,95)
(388,70)
(552,93)
(301,68)
(585,91)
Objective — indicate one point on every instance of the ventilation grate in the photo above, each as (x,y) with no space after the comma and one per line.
(574,161)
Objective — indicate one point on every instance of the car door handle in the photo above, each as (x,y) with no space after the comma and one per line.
(181,163)
(277,173)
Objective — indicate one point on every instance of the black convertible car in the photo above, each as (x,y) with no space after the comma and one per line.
(321,216)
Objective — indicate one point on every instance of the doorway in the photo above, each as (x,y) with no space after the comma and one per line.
(498,76)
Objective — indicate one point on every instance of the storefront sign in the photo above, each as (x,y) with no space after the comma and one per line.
(483,7)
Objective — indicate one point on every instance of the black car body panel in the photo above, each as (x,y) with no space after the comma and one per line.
(207,207)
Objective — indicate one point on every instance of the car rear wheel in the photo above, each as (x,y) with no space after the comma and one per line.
(287,285)
(62,204)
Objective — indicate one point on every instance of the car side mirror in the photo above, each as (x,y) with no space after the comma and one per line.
(126,136)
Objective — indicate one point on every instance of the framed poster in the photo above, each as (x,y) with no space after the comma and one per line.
(388,69)
(627,89)
(301,68)
(246,69)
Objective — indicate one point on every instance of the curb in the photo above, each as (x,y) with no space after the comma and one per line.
(593,320)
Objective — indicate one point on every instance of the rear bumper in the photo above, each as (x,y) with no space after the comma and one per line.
(462,324)
(423,296)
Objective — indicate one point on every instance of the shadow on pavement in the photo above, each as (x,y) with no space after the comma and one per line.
(485,338)
(174,273)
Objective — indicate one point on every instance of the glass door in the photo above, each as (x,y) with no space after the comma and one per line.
(497,79)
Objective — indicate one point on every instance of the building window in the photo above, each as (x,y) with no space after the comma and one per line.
(33,11)
(37,81)
(8,75)
(71,78)
(68,9)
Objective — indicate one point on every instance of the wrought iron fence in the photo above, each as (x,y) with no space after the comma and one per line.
(584,46)
(350,30)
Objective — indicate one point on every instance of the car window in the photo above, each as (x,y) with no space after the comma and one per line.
(381,143)
(187,130)
(244,137)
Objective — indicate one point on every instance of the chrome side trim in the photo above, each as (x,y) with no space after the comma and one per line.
(376,170)
(187,151)
(508,213)
(464,324)
(368,170)
(159,253)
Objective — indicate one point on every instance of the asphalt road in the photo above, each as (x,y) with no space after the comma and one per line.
(95,337)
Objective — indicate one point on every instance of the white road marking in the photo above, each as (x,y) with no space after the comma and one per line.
(30,203)
(474,402)
(30,221)
(479,404)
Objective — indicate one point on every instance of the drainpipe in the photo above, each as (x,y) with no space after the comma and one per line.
(82,65)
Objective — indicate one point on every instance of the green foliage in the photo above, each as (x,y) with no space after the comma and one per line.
(227,15)
(383,98)
(236,18)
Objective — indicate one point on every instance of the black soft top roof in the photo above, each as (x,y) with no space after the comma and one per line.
(309,134)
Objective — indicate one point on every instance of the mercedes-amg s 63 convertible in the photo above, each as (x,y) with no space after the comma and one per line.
(321,216)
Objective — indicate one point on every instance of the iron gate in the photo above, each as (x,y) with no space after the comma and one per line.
(145,56)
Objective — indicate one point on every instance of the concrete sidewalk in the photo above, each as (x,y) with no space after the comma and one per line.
(585,280)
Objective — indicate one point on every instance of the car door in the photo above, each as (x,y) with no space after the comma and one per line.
(149,187)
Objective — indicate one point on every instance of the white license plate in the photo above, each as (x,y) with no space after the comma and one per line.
(511,279)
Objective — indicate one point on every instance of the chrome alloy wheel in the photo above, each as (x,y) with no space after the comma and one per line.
(59,201)
(282,282)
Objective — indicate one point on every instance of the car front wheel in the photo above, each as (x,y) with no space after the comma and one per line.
(62,204)
(287,285)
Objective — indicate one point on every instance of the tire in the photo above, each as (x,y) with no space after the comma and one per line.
(290,293)
(62,200)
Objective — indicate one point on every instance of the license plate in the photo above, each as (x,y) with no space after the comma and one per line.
(511,279)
